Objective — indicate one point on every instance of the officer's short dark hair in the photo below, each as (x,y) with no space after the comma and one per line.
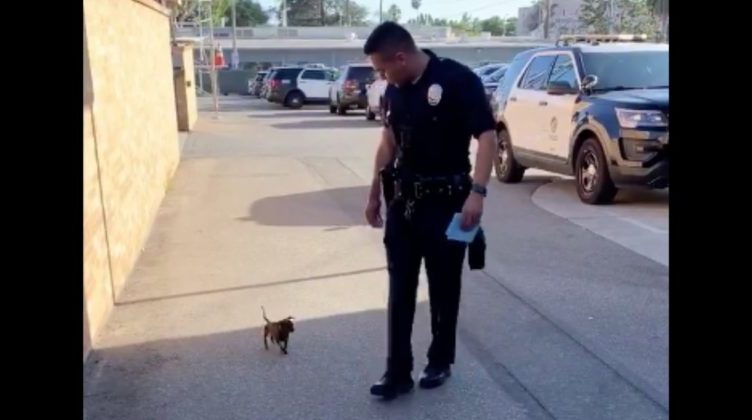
(389,38)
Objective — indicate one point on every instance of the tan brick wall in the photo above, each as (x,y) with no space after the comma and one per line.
(130,141)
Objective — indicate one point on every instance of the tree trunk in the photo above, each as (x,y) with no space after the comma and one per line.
(664,28)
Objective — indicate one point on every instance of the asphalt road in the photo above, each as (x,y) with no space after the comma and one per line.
(565,322)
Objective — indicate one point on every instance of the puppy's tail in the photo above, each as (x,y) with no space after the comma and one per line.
(263,312)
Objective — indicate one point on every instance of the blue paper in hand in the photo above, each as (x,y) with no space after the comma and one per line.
(454,230)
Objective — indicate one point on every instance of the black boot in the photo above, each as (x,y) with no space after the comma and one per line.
(434,376)
(389,386)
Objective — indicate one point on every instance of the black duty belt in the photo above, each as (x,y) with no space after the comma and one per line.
(419,187)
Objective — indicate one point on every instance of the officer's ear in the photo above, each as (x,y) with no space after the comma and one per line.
(400,57)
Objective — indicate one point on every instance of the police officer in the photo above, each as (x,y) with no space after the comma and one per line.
(433,107)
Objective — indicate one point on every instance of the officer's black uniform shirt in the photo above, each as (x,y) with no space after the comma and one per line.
(434,118)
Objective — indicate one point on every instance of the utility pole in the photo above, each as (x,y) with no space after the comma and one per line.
(381,11)
(284,13)
(235,55)
(213,74)
(611,17)
(202,52)
(546,18)
(347,13)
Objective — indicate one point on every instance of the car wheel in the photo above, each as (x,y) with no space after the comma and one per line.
(507,169)
(594,184)
(341,110)
(370,116)
(332,109)
(294,100)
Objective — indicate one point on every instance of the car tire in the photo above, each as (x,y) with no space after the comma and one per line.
(594,183)
(294,100)
(341,110)
(370,116)
(506,167)
(332,109)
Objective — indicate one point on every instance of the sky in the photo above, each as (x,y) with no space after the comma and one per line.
(449,9)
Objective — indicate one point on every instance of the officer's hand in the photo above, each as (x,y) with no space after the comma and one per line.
(471,211)
(373,213)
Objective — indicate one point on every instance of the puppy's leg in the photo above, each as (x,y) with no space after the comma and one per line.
(266,333)
(283,346)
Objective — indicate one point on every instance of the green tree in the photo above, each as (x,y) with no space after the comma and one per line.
(301,13)
(634,17)
(495,25)
(189,10)
(660,9)
(427,20)
(394,13)
(219,9)
(415,4)
(510,27)
(594,15)
(343,12)
(421,19)
(466,25)
(247,13)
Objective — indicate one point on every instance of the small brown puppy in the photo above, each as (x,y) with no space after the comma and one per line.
(278,332)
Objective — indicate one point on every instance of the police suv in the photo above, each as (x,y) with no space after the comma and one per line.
(593,106)
(296,85)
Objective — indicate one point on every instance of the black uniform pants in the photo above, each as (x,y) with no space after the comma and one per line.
(408,242)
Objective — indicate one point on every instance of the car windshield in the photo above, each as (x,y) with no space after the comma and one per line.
(628,70)
(288,73)
(360,73)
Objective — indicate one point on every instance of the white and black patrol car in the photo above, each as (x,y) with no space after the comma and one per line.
(593,106)
(297,85)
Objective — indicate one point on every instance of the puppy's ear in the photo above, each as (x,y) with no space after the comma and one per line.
(289,317)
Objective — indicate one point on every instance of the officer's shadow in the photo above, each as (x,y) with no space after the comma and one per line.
(335,208)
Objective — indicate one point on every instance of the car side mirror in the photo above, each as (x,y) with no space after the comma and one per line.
(561,88)
(589,81)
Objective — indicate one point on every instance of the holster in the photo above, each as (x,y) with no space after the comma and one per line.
(476,251)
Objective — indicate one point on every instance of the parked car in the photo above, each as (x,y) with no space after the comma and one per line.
(487,69)
(295,86)
(375,94)
(595,107)
(264,93)
(491,82)
(349,90)
(254,84)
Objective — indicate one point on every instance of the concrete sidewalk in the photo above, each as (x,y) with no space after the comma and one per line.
(237,231)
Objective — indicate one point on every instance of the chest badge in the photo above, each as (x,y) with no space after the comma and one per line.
(434,94)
